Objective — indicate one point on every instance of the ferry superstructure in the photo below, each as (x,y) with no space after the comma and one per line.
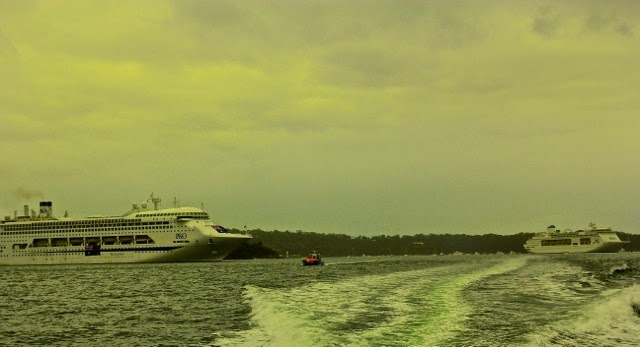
(143,234)
(591,240)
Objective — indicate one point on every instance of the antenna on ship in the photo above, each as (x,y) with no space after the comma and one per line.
(155,201)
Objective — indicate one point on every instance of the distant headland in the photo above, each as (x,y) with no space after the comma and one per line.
(282,244)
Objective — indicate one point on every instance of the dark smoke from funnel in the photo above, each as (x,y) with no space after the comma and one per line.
(22,193)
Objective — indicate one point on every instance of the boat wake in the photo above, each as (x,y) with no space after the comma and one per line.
(417,307)
(613,320)
(621,269)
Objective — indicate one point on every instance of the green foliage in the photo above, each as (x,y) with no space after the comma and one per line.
(299,243)
(251,250)
(274,244)
(634,241)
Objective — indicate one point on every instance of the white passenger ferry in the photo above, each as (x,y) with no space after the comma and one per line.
(591,240)
(140,235)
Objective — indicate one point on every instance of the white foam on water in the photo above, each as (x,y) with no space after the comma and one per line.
(278,320)
(610,320)
(554,280)
(421,307)
(443,311)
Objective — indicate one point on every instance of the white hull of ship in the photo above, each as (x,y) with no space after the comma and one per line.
(602,248)
(180,234)
(218,250)
(591,240)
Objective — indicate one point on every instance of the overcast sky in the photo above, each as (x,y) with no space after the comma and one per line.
(355,117)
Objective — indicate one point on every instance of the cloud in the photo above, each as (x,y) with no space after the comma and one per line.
(7,50)
(600,22)
(324,115)
(547,22)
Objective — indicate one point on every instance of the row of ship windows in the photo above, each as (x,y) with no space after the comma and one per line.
(196,215)
(92,224)
(64,253)
(565,242)
(85,230)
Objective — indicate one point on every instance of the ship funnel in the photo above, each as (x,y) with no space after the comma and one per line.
(26,210)
(46,209)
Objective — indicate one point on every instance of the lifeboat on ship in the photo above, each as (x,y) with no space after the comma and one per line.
(314,258)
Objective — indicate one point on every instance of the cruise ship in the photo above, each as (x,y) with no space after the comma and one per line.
(177,234)
(591,240)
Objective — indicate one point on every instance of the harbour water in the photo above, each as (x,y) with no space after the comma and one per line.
(453,300)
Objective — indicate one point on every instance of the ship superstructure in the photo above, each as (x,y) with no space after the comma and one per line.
(140,235)
(591,240)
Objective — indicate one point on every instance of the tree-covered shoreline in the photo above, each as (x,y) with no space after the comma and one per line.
(278,244)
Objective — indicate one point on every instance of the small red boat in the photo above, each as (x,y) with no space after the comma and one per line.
(314,258)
